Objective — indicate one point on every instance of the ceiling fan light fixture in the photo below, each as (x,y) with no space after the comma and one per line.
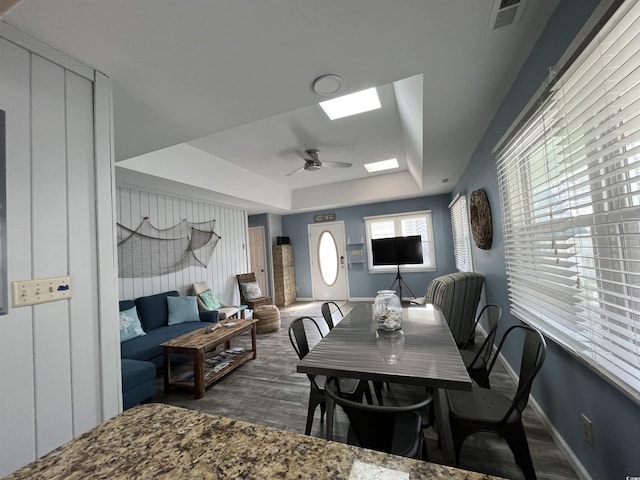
(352,104)
(327,84)
(312,167)
(382,165)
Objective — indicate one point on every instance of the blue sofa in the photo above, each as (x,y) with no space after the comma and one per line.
(141,355)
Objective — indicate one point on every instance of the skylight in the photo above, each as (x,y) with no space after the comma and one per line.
(382,165)
(351,104)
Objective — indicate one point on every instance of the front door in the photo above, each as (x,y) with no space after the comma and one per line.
(328,261)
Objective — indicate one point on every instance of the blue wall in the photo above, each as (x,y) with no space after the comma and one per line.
(565,388)
(361,283)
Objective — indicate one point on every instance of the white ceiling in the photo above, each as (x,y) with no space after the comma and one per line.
(214,99)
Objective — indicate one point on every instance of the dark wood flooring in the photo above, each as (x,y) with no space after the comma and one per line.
(268,391)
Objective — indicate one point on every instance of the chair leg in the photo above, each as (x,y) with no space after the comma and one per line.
(459,434)
(517,440)
(424,454)
(310,410)
(313,403)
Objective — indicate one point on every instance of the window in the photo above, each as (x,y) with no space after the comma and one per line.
(328,258)
(402,225)
(570,192)
(461,233)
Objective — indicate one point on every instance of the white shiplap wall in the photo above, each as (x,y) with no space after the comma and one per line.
(229,258)
(59,361)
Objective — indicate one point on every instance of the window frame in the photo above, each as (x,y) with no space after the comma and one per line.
(429,254)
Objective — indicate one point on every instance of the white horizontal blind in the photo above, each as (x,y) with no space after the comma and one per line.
(403,225)
(570,189)
(461,233)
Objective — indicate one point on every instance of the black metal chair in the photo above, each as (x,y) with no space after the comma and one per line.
(484,410)
(476,362)
(390,429)
(327,313)
(351,388)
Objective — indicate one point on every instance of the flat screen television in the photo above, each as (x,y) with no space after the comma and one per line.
(397,250)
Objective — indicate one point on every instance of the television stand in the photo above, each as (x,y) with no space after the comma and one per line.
(398,280)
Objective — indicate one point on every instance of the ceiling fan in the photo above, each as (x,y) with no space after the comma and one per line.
(313,163)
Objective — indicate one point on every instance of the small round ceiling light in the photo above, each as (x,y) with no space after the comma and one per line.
(327,84)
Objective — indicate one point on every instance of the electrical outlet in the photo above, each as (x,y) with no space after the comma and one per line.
(587,429)
(31,292)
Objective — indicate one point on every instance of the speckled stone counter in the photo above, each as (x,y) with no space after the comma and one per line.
(158,441)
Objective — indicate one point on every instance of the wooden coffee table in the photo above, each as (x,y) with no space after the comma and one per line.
(197,344)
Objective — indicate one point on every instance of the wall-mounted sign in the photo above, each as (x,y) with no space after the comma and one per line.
(325,217)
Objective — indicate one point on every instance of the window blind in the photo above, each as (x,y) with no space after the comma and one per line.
(569,182)
(461,233)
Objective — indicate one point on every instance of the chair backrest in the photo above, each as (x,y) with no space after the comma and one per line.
(457,295)
(534,349)
(244,278)
(372,425)
(298,335)
(494,313)
(328,314)
(199,287)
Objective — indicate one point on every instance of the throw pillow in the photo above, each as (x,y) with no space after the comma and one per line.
(209,301)
(130,326)
(182,309)
(251,290)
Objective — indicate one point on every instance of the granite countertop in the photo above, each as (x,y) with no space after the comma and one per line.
(158,441)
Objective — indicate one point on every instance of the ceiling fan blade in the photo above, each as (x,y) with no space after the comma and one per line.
(337,164)
(294,171)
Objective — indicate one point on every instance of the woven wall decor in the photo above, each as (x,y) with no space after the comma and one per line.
(148,251)
(480,214)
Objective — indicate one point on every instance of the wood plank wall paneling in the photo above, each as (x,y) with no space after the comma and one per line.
(83,264)
(54,417)
(53,355)
(17,411)
(229,258)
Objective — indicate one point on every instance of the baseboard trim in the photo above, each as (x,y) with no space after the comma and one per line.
(304,299)
(361,299)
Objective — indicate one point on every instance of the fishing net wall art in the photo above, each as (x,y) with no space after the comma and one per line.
(147,251)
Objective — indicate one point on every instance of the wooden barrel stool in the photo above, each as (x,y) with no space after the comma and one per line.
(268,318)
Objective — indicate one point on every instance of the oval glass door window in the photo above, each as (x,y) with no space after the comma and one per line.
(328,258)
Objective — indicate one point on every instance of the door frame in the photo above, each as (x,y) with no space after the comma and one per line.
(342,249)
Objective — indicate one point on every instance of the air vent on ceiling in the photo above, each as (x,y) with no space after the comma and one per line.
(505,13)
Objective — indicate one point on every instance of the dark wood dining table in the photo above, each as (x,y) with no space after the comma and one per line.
(422,353)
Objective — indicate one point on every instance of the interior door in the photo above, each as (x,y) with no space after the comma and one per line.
(258,257)
(328,260)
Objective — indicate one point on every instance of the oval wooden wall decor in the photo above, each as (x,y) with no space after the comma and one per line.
(480,214)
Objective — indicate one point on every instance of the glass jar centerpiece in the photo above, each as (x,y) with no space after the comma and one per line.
(387,311)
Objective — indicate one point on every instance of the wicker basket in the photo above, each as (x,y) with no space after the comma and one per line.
(268,318)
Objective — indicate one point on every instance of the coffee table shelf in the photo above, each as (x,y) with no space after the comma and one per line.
(197,345)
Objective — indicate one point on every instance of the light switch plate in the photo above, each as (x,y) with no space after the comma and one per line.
(42,290)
